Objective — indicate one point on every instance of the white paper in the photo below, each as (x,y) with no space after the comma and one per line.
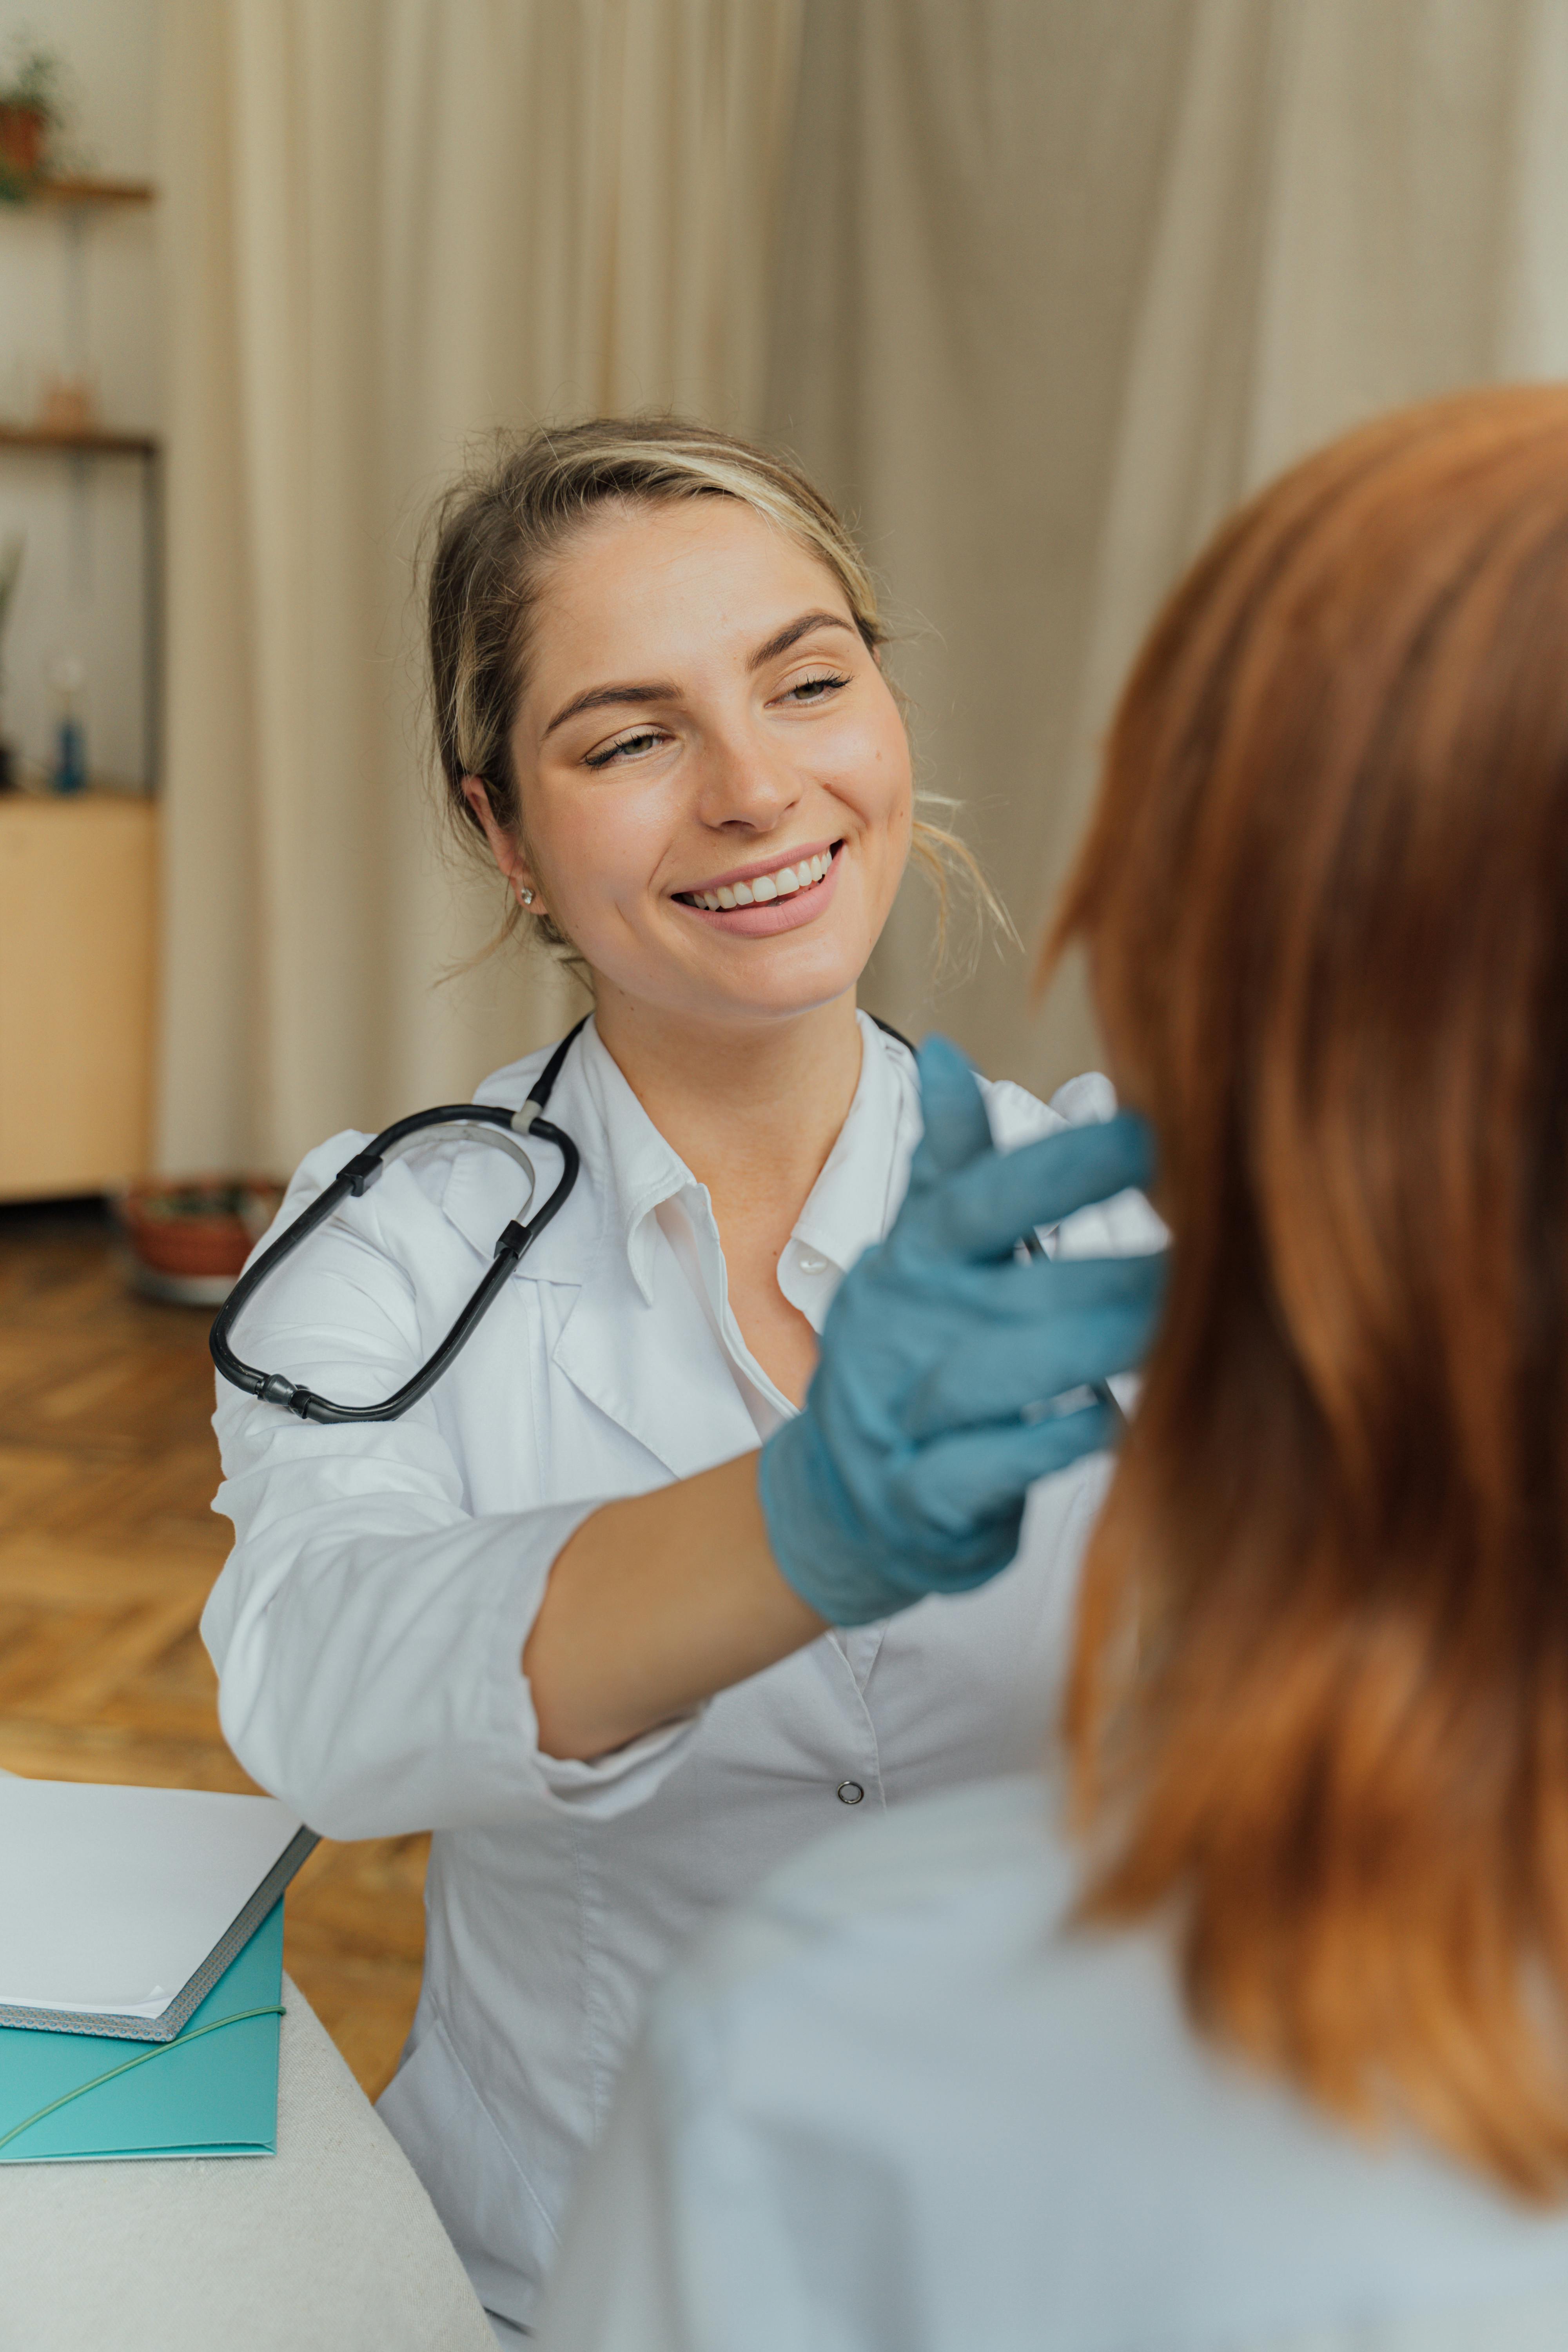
(111,1898)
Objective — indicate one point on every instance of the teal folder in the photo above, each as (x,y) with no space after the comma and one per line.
(211,2091)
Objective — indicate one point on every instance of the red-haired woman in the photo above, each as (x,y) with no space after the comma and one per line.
(1251,2027)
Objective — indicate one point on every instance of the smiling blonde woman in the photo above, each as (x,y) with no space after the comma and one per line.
(554,1613)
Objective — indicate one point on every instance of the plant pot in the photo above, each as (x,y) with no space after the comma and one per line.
(200,1229)
(24,132)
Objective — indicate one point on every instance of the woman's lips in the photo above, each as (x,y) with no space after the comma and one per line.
(763,921)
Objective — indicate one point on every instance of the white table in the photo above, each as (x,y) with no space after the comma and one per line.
(331,2245)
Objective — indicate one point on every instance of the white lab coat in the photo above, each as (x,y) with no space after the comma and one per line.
(368,1627)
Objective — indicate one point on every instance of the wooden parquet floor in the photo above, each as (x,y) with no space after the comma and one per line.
(107,1551)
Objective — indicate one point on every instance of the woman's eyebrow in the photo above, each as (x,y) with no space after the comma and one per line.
(603,698)
(786,637)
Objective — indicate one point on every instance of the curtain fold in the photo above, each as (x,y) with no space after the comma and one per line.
(1078,280)
(1038,289)
(392,226)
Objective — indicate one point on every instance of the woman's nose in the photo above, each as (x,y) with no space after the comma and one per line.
(745,781)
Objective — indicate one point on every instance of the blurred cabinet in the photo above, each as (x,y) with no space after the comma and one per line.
(77,910)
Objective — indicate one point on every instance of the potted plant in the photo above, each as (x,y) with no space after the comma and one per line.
(32,106)
(190,1236)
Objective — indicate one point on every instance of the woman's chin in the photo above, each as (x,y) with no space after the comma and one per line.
(774,980)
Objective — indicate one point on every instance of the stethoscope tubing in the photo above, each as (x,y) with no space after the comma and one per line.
(358,1174)
(354,1178)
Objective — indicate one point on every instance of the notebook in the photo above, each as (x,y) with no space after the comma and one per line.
(213,2091)
(124,1907)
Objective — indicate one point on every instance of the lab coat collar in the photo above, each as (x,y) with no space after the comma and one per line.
(849,1207)
(629,1171)
(616,1338)
(852,1202)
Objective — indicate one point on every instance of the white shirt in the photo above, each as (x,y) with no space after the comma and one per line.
(368,1626)
(896,2104)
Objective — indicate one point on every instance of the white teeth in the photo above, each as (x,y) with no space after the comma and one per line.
(781,883)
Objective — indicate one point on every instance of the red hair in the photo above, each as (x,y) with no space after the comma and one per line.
(1319,1699)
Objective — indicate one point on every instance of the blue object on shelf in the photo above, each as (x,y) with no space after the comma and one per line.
(213,2091)
(68,773)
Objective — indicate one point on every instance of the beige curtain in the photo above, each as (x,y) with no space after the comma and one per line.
(1038,287)
(1062,282)
(391,226)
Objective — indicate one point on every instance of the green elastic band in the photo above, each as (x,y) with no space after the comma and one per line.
(240,2018)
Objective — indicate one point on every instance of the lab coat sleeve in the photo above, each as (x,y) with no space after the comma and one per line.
(368,1628)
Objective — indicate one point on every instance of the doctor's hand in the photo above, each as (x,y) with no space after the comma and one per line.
(931,1412)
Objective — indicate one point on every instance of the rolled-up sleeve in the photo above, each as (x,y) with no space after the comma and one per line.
(368,1628)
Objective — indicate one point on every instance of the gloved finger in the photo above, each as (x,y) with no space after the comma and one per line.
(996,1378)
(952,1295)
(963,1483)
(984,1209)
(956,1129)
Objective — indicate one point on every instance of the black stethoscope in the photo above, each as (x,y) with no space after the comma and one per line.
(489,1123)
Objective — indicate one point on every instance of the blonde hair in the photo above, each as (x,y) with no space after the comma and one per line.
(494,533)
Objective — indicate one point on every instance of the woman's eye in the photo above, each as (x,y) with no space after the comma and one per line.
(645,739)
(815,689)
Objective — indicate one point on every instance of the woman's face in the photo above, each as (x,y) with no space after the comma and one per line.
(714,776)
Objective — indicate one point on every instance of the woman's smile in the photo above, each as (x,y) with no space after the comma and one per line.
(757,901)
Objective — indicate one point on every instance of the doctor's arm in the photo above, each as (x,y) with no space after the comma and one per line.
(906,1471)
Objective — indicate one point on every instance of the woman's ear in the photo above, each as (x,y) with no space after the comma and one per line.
(505,847)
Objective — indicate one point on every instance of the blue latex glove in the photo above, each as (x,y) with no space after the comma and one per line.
(906,1470)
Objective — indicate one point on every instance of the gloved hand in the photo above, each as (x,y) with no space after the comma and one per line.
(928,1415)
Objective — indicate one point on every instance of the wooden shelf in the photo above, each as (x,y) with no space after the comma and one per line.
(99,443)
(77,191)
(37,796)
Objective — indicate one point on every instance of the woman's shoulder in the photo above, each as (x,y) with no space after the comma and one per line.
(974,2073)
(418,1179)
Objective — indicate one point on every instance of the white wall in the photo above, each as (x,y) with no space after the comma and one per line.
(81,585)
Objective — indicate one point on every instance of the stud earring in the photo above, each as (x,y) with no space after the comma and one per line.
(526,896)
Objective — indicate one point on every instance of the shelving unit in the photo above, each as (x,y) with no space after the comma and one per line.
(79,876)
(93,444)
(144,449)
(85,190)
(72,197)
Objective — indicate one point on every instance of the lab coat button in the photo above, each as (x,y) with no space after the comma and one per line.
(810,1264)
(850,1792)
